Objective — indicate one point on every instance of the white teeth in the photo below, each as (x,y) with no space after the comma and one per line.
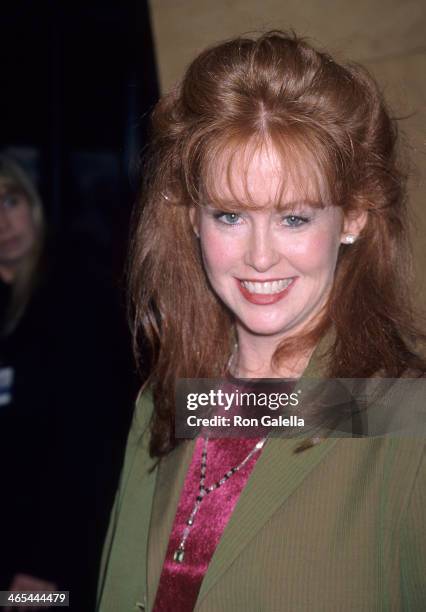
(269,287)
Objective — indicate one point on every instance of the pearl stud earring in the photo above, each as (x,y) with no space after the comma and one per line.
(349,239)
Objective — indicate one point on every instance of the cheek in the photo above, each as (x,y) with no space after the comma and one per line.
(23,222)
(327,250)
(219,252)
(317,255)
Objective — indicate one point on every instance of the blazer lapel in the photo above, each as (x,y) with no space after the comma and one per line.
(277,474)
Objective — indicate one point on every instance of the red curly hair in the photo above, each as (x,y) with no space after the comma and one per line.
(278,89)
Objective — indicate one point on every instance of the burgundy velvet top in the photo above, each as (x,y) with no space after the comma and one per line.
(180,582)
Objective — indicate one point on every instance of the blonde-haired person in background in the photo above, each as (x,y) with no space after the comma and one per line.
(21,237)
(21,246)
(65,367)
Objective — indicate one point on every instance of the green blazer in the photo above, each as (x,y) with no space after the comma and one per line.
(340,526)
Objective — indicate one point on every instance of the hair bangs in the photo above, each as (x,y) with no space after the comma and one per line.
(301,175)
(11,185)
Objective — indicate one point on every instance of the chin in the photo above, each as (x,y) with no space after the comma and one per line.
(264,329)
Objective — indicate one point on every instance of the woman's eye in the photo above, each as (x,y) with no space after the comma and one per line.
(10,201)
(295,220)
(228,218)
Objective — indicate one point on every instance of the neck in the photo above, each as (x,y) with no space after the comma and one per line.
(253,359)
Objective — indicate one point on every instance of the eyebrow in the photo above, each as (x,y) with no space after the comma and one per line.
(295,204)
(230,205)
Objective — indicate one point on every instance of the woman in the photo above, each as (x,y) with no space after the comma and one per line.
(272,243)
(51,396)
(21,245)
(21,239)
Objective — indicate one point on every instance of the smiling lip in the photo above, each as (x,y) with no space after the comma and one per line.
(265,292)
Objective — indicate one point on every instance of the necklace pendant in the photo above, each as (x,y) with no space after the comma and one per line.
(179,555)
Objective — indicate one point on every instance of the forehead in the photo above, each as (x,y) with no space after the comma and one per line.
(259,174)
(5,184)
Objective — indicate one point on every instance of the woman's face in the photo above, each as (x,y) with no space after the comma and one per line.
(274,266)
(17,228)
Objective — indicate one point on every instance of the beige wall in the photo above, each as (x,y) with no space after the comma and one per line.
(388,36)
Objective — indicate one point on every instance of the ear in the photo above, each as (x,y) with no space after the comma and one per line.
(194,219)
(353,224)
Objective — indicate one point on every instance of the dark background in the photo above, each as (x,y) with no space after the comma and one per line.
(78,81)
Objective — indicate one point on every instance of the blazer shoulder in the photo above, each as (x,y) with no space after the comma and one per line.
(139,436)
(144,407)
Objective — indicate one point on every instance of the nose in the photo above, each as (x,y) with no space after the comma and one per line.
(261,252)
